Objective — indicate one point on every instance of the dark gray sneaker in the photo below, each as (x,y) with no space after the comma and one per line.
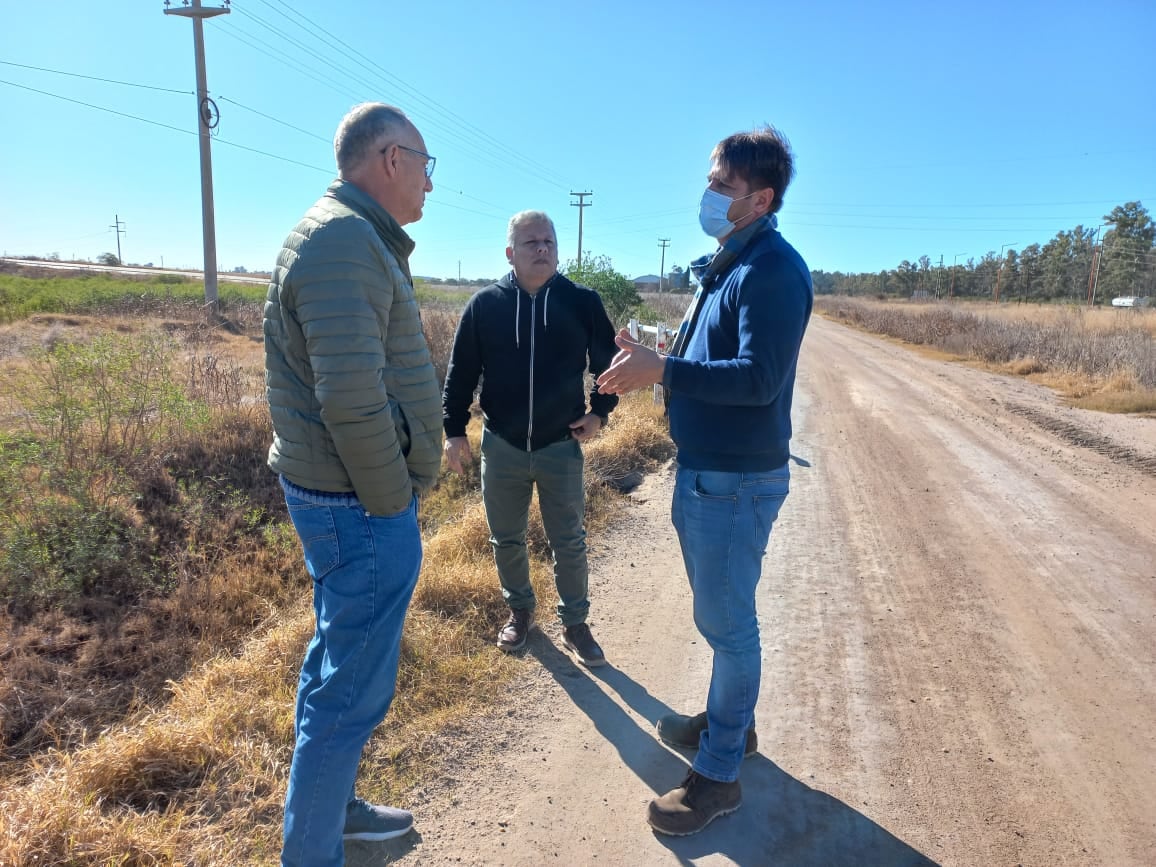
(681,731)
(512,636)
(366,821)
(578,640)
(693,805)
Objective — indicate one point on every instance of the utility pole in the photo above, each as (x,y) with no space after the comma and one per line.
(116,226)
(1097,256)
(580,204)
(207,118)
(939,277)
(999,274)
(951,289)
(1094,282)
(663,243)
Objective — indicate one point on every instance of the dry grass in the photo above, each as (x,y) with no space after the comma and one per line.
(668,306)
(1096,319)
(1099,359)
(198,777)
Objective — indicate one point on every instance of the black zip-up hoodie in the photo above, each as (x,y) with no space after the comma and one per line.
(530,351)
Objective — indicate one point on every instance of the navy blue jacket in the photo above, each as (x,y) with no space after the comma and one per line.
(730,391)
(530,352)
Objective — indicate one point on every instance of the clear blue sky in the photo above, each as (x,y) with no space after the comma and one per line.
(918,128)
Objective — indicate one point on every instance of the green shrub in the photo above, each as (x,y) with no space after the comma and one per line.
(96,418)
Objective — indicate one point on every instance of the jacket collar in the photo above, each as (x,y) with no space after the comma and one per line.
(387,228)
(710,266)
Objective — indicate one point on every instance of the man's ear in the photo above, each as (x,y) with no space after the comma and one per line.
(764,200)
(510,255)
(390,157)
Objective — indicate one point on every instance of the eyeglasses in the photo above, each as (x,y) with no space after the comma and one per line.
(430,162)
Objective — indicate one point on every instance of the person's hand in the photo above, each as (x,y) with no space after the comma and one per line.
(586,427)
(457,452)
(634,367)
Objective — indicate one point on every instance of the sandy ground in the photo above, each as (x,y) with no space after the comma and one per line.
(959,628)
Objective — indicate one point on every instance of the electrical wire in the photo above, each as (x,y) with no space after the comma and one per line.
(274,119)
(495,150)
(96,78)
(301,68)
(453,116)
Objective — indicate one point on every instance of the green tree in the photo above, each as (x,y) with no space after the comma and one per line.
(618,294)
(1127,252)
(108,259)
(908,276)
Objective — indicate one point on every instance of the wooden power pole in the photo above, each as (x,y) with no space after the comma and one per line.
(118,227)
(663,243)
(580,204)
(207,118)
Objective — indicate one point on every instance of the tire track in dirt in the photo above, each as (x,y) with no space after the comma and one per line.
(1078,436)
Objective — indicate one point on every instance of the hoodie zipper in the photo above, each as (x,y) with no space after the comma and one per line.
(533,319)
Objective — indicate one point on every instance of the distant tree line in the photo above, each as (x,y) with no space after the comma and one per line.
(1120,261)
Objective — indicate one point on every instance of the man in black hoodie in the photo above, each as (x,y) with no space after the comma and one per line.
(528,337)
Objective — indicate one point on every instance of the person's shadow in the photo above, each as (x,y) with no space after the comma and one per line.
(782,820)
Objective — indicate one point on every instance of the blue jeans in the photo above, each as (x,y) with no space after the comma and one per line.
(724,522)
(509,475)
(364,570)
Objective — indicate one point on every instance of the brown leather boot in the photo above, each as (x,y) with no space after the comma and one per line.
(693,805)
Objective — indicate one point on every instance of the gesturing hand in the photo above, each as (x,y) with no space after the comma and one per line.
(634,367)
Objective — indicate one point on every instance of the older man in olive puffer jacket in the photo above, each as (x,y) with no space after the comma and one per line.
(357,424)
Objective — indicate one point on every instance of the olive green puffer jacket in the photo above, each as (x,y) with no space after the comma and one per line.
(351,388)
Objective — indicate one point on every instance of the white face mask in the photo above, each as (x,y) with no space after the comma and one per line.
(713,210)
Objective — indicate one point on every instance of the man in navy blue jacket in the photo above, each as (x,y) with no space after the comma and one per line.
(730,378)
(529,338)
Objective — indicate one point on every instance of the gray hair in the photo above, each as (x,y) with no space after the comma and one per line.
(363,129)
(522,218)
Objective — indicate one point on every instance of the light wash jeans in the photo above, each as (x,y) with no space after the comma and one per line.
(508,478)
(364,570)
(724,522)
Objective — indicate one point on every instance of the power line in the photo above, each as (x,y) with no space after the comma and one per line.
(96,78)
(222,141)
(807,213)
(795,204)
(275,119)
(453,116)
(471,147)
(97,107)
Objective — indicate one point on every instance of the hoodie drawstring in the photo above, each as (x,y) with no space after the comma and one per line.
(517,318)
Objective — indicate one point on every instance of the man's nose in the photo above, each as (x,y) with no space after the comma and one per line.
(428,185)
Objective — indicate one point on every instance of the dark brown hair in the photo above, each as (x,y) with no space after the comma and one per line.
(761,157)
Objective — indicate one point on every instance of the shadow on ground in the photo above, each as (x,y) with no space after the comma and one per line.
(781,821)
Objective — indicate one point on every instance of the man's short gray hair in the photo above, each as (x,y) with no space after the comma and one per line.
(522,218)
(367,126)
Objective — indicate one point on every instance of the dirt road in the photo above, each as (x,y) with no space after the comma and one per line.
(959,632)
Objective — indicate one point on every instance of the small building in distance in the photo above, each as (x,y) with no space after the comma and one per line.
(647,283)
